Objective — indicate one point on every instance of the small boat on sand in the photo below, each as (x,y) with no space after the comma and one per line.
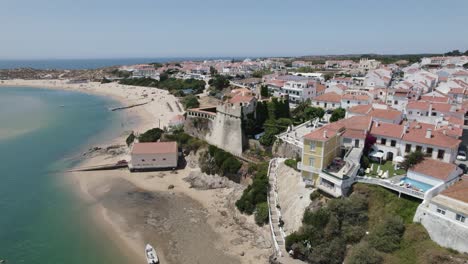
(151,255)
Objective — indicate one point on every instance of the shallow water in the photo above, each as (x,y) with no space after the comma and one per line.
(41,219)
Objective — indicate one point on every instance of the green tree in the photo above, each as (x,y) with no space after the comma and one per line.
(219,82)
(190,101)
(337,114)
(412,159)
(264,91)
(261,213)
(151,135)
(386,236)
(213,70)
(363,253)
(130,139)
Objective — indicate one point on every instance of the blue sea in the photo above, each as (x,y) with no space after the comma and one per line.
(41,218)
(77,64)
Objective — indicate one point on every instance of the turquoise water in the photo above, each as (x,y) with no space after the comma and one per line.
(41,219)
(417,184)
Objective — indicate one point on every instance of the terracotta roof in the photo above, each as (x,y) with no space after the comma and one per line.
(328,97)
(320,87)
(420,105)
(388,114)
(154,148)
(359,97)
(239,98)
(417,133)
(387,130)
(351,133)
(323,134)
(440,99)
(357,124)
(458,191)
(360,109)
(434,168)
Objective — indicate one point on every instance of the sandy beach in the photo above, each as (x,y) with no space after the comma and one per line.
(186,225)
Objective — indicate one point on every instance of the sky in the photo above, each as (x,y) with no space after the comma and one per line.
(55,29)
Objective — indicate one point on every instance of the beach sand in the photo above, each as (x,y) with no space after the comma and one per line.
(184,224)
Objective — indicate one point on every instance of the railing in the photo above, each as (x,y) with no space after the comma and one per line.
(392,186)
(278,251)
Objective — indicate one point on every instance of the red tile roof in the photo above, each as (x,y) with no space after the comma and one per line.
(387,130)
(417,133)
(328,97)
(359,97)
(355,123)
(388,114)
(351,133)
(458,191)
(241,99)
(360,109)
(154,148)
(434,168)
(420,105)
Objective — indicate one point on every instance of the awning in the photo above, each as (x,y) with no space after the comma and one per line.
(376,154)
(399,159)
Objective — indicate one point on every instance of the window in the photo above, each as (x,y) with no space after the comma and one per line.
(441,211)
(410,112)
(460,218)
(395,102)
(434,114)
(408,148)
(393,143)
(154,159)
(429,151)
(164,158)
(383,141)
(143,160)
(419,148)
(440,154)
(312,146)
(312,162)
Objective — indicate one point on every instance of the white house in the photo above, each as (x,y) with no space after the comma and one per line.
(299,91)
(153,155)
(445,216)
(350,99)
(327,101)
(434,172)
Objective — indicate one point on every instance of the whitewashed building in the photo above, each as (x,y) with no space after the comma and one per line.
(153,155)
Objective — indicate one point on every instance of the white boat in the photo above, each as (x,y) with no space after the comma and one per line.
(151,255)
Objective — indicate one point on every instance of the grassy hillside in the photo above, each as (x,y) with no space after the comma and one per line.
(416,245)
(370,226)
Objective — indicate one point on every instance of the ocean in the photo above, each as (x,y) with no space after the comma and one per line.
(78,64)
(41,218)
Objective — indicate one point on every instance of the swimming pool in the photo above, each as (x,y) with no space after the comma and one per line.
(417,184)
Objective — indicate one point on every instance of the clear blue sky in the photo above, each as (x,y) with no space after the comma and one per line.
(177,28)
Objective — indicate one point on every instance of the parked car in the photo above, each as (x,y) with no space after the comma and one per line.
(461,155)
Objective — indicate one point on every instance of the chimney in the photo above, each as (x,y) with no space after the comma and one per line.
(428,133)
(325,133)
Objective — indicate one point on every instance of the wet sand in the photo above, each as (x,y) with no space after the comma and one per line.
(173,223)
(185,225)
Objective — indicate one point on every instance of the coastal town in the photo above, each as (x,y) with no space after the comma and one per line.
(319,159)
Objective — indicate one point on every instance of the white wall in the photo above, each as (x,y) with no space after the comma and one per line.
(423,178)
(441,228)
(150,161)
